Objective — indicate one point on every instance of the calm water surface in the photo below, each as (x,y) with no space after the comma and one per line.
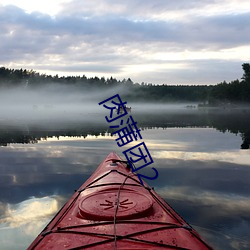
(203,172)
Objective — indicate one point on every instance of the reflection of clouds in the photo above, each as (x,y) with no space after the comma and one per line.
(226,240)
(14,179)
(166,145)
(105,136)
(228,203)
(22,222)
(222,219)
(2,209)
(192,139)
(236,157)
(55,153)
(50,167)
(59,157)
(29,212)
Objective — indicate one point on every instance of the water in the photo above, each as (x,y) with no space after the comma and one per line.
(203,172)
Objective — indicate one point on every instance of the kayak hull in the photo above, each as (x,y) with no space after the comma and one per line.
(112,210)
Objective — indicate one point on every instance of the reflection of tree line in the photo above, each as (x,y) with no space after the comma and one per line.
(35,134)
(231,121)
(237,123)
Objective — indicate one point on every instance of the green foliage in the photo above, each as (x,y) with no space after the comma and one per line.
(246,75)
(234,92)
(222,93)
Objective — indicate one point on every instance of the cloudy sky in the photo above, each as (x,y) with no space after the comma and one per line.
(157,41)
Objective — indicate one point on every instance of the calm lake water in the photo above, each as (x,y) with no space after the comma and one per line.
(202,157)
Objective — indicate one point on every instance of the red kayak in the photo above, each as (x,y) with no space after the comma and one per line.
(112,210)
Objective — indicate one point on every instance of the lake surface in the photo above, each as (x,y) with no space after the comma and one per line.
(202,157)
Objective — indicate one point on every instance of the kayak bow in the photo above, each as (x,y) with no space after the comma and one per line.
(112,210)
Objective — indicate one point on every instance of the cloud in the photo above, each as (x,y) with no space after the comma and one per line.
(115,30)
(125,39)
(147,9)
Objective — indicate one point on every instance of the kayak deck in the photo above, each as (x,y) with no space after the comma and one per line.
(112,210)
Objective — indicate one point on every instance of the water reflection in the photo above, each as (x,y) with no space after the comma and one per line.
(33,209)
(20,222)
(26,131)
(203,173)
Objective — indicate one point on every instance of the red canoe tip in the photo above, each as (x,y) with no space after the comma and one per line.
(113,209)
(113,155)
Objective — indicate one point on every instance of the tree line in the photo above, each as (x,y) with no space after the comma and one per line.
(236,91)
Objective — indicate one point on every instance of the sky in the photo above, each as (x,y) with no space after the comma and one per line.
(152,41)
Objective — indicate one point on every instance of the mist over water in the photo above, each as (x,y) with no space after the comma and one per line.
(60,109)
(56,103)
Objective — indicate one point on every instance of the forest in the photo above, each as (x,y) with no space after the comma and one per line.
(224,93)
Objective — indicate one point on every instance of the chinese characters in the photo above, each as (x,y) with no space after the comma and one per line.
(127,131)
